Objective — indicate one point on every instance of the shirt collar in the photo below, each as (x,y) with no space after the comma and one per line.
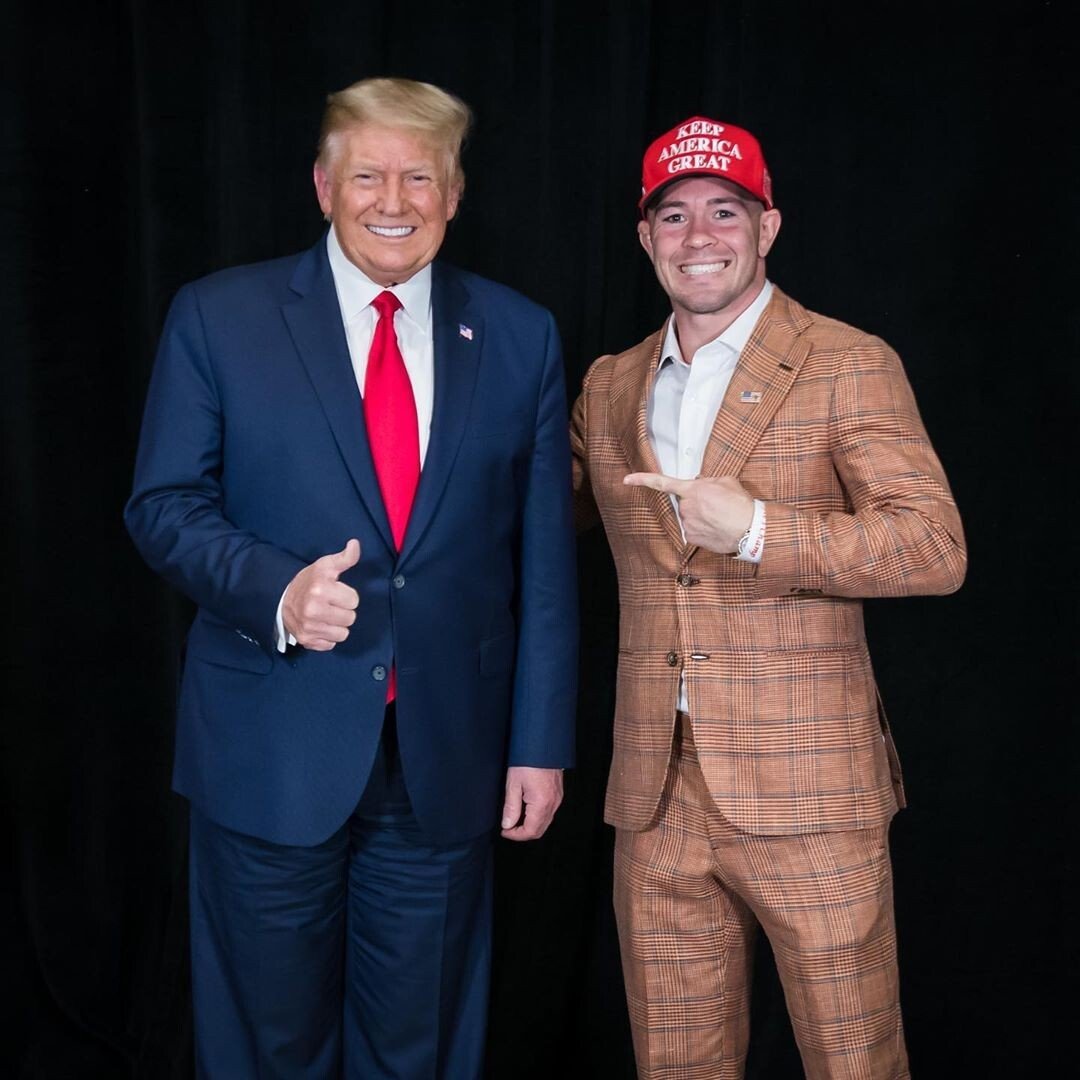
(733,339)
(355,290)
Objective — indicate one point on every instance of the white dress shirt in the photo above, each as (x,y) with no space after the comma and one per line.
(683,404)
(412,324)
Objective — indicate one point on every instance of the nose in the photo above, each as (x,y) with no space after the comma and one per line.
(699,235)
(390,197)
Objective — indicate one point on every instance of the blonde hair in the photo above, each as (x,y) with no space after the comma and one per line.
(421,107)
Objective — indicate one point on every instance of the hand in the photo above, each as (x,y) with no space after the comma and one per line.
(541,791)
(318,609)
(715,511)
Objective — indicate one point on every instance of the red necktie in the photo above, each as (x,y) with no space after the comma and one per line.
(390,416)
(392,429)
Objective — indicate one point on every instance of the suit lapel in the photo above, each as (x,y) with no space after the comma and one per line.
(762,378)
(314,321)
(630,389)
(457,362)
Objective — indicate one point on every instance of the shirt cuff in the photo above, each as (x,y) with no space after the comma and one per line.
(752,545)
(282,640)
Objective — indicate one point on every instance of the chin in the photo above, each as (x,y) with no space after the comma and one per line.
(394,271)
(705,305)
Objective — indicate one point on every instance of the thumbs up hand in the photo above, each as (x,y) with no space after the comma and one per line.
(318,609)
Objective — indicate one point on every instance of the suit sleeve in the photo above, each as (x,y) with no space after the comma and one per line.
(586,514)
(902,535)
(545,677)
(175,514)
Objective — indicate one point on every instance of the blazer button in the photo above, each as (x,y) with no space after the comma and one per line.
(399,581)
(378,673)
(686,580)
(673,658)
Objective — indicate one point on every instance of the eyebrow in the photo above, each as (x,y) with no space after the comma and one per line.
(373,166)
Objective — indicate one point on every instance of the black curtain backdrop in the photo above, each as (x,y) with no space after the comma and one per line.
(923,156)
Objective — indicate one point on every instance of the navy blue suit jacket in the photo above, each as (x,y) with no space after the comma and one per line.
(253,463)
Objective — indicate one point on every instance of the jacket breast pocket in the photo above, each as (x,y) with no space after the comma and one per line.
(216,643)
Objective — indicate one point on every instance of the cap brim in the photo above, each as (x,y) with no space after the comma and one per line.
(652,196)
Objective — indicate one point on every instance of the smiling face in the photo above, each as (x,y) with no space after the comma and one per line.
(707,239)
(389,193)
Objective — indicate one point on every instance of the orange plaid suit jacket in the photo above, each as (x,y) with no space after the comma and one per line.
(785,711)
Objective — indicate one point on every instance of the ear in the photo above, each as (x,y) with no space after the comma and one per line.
(768,228)
(453,197)
(644,235)
(324,189)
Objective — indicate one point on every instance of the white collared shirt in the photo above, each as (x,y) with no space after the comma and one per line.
(686,397)
(682,408)
(413,326)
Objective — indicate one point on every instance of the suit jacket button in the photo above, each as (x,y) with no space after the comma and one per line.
(686,580)
(399,581)
(378,672)
(672,658)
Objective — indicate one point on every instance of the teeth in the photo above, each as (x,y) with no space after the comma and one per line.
(382,230)
(703,268)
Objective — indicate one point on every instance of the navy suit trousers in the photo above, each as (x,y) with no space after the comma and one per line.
(365,956)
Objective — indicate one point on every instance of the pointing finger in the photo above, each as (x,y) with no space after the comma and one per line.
(658,482)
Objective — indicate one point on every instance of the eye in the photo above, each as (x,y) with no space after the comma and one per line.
(673,218)
(723,213)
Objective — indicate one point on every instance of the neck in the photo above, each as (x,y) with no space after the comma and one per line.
(695,329)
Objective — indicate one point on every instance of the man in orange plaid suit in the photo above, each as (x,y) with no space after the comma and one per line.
(759,469)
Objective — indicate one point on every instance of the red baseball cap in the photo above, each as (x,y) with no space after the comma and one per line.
(703,147)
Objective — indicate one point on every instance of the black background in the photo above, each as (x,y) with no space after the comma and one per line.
(923,157)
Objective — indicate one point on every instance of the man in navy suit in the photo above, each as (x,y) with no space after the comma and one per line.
(355,462)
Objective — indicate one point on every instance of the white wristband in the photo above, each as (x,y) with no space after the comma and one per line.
(752,543)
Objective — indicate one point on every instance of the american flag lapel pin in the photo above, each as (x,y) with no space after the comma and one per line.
(465,331)
(750,397)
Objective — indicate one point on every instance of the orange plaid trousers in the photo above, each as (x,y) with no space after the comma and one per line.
(689,894)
